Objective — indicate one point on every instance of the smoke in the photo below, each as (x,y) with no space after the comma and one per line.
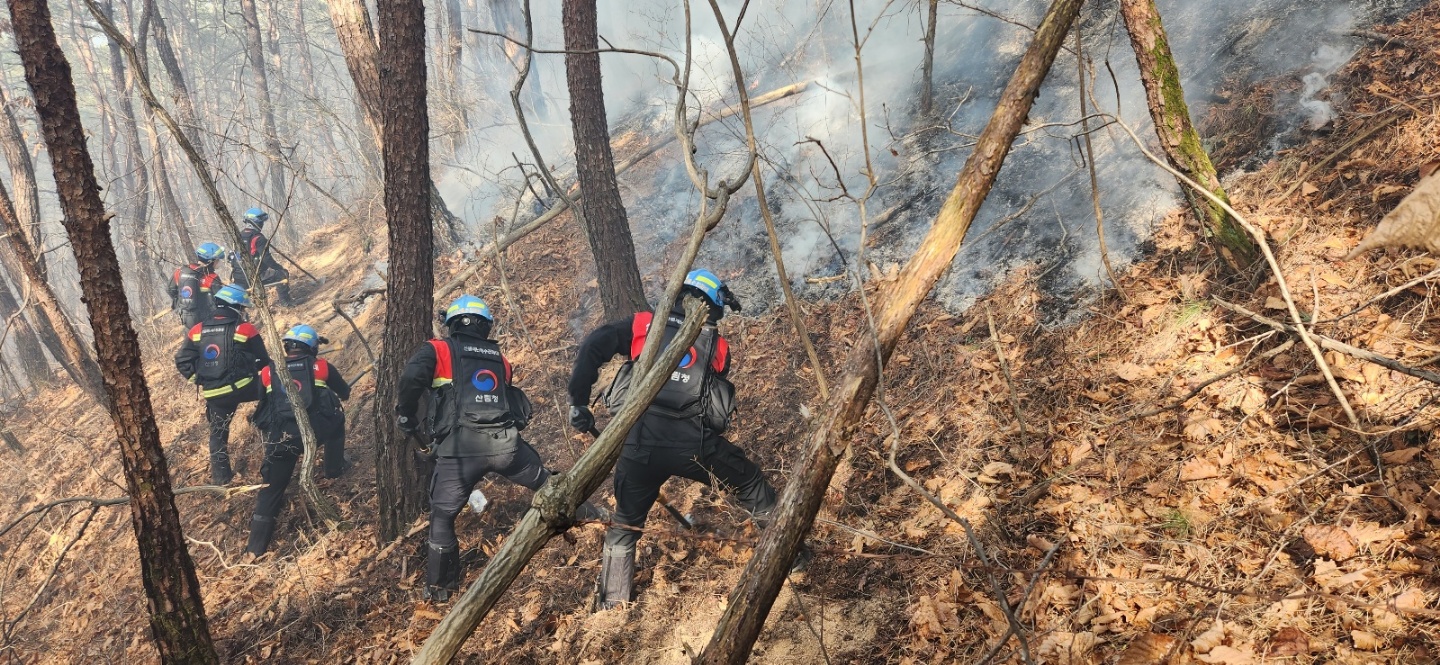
(1039,212)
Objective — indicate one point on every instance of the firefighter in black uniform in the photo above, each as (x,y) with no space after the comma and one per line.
(192,288)
(321,388)
(680,433)
(257,246)
(222,355)
(474,428)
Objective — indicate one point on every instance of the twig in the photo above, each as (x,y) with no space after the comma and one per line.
(1005,369)
(1305,335)
(1336,345)
(10,627)
(1209,382)
(1395,291)
(335,303)
(1089,158)
(101,502)
(1376,126)
(1016,628)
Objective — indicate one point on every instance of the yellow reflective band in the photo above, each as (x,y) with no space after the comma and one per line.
(321,383)
(439,382)
(707,281)
(195,337)
(241,338)
(225,390)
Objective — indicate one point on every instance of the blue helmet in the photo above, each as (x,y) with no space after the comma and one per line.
(303,334)
(707,283)
(468,304)
(209,252)
(234,296)
(256,216)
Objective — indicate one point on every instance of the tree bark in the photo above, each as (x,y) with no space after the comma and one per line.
(1177,134)
(602,212)
(179,89)
(22,177)
(177,615)
(136,173)
(405,137)
(357,42)
(255,53)
(32,357)
(56,330)
(750,602)
(927,68)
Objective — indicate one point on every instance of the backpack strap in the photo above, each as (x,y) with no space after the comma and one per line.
(721,358)
(444,371)
(322,373)
(265,377)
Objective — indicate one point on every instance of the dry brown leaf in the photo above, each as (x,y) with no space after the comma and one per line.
(1289,642)
(1306,189)
(423,612)
(1200,427)
(1208,640)
(1365,640)
(1227,655)
(1411,600)
(1402,456)
(1131,372)
(1148,649)
(1271,302)
(1198,469)
(1330,541)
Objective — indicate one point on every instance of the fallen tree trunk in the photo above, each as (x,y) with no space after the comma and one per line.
(750,602)
(1178,138)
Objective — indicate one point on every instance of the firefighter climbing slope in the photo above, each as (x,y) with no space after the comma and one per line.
(223,355)
(257,246)
(474,427)
(192,287)
(321,388)
(680,433)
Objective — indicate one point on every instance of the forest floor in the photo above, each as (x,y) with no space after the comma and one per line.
(1246,523)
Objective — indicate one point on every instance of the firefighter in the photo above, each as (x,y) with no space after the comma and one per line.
(222,355)
(321,389)
(680,433)
(474,427)
(257,247)
(193,286)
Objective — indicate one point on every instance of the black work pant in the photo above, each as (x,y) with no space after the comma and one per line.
(643,468)
(219,412)
(277,472)
(456,477)
(271,274)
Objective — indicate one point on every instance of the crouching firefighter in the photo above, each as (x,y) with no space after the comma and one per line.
(321,388)
(222,355)
(474,426)
(680,433)
(193,286)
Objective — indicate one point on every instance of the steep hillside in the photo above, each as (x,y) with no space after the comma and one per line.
(1201,493)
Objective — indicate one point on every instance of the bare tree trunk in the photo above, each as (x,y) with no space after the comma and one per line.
(750,602)
(27,345)
(357,41)
(136,173)
(454,37)
(177,615)
(22,178)
(255,52)
(1178,137)
(56,329)
(601,211)
(927,68)
(406,149)
(180,91)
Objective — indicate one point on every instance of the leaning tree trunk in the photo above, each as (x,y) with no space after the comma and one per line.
(27,345)
(56,330)
(255,53)
(601,211)
(1177,134)
(357,42)
(750,602)
(177,615)
(405,139)
(22,177)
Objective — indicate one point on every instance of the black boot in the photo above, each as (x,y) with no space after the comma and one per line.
(262,530)
(442,572)
(617,576)
(282,295)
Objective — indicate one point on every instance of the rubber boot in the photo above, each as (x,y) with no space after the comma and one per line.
(590,512)
(282,294)
(442,572)
(617,576)
(262,530)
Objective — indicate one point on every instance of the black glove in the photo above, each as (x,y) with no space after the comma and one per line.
(581,418)
(409,425)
